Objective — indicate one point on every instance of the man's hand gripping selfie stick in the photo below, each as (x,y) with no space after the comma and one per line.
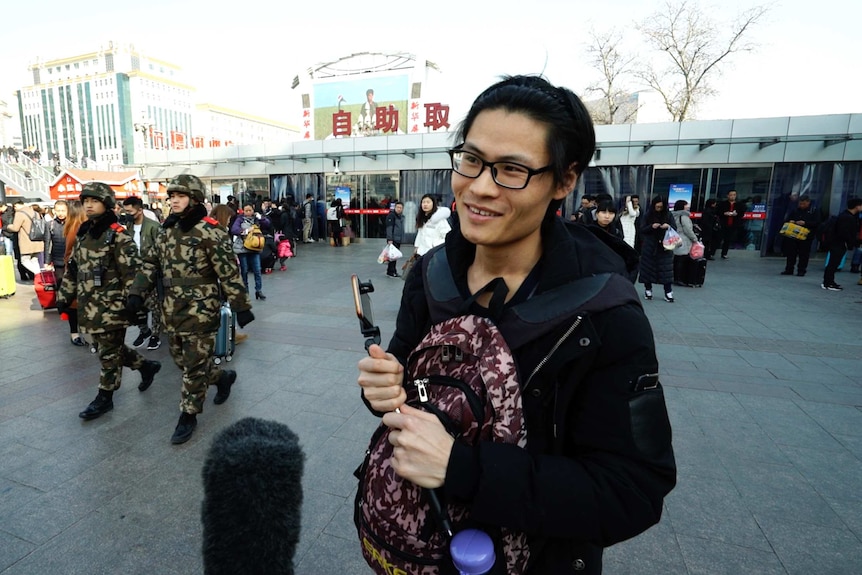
(370,331)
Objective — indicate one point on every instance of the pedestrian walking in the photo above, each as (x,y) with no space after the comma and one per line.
(195,268)
(98,276)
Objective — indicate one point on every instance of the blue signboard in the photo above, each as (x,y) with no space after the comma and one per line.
(679,192)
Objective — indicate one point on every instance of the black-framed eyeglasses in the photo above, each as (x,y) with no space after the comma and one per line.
(509,175)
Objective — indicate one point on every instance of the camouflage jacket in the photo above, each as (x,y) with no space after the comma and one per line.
(196,268)
(101,268)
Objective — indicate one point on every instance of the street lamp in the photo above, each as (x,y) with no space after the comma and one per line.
(144,127)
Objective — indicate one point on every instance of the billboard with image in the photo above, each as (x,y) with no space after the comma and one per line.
(370,106)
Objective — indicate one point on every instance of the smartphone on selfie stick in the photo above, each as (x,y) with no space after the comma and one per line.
(362,302)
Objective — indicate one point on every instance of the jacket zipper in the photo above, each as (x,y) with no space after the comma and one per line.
(547,358)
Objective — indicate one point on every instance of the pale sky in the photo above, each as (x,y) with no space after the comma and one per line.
(243,55)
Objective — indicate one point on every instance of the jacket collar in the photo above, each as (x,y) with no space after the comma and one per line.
(98,226)
(188,219)
(570,252)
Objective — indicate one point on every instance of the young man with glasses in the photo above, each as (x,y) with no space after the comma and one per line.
(597,461)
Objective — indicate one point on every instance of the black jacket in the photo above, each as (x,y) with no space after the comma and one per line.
(811,218)
(395,227)
(724,206)
(596,468)
(846,231)
(55,244)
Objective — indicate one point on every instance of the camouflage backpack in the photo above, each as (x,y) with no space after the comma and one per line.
(464,372)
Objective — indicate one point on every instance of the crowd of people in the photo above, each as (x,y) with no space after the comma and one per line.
(720,227)
(573,458)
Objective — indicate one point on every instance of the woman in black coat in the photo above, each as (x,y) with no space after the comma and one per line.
(656,262)
(709,227)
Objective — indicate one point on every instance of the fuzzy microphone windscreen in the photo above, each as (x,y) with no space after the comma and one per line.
(252,499)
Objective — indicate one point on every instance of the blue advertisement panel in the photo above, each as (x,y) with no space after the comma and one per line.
(679,192)
(343,192)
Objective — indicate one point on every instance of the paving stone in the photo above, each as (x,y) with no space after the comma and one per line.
(766,423)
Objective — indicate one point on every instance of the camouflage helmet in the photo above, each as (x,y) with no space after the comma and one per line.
(101,192)
(187,184)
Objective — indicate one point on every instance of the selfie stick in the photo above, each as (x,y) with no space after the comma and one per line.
(372,332)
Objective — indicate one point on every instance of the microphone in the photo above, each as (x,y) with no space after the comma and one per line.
(252,478)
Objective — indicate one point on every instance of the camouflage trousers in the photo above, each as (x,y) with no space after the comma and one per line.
(114,355)
(152,304)
(193,354)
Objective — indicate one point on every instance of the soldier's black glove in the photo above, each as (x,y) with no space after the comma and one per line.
(62,307)
(243,318)
(134,304)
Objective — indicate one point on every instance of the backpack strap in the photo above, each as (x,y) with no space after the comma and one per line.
(538,315)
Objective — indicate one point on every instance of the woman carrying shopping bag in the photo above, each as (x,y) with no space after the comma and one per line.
(656,264)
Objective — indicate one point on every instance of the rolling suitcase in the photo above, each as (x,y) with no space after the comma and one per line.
(46,288)
(695,272)
(226,336)
(7,276)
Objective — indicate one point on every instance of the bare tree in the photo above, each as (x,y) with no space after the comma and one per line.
(697,46)
(606,56)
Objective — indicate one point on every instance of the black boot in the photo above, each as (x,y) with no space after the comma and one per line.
(99,406)
(185,427)
(148,372)
(225,381)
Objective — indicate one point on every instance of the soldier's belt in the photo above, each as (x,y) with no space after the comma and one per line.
(84,276)
(192,281)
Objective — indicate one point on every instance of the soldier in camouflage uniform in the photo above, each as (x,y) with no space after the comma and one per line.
(193,262)
(100,270)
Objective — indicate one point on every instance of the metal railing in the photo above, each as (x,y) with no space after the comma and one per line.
(33,187)
(37,170)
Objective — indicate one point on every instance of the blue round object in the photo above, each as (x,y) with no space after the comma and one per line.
(472,552)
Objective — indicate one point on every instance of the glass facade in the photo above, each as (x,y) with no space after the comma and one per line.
(769,191)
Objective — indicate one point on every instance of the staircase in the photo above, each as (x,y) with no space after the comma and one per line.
(27,178)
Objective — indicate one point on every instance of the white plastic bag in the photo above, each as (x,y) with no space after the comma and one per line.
(671,239)
(389,253)
(394,253)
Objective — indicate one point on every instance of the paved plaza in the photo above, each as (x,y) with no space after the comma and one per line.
(762,375)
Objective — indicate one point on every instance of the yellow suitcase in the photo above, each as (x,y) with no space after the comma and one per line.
(7,276)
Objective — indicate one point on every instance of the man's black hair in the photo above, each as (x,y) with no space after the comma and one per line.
(134,201)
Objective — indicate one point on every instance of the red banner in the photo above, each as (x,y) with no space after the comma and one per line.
(367,211)
(745,216)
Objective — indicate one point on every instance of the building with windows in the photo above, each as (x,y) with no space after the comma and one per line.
(6,138)
(769,162)
(110,106)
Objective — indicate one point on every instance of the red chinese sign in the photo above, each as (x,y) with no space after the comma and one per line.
(386,120)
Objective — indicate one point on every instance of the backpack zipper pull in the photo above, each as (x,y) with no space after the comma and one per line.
(422,389)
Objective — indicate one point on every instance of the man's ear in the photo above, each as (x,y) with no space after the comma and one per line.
(570,180)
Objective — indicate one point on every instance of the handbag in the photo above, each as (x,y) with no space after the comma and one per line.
(671,239)
(696,251)
(254,240)
(408,265)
